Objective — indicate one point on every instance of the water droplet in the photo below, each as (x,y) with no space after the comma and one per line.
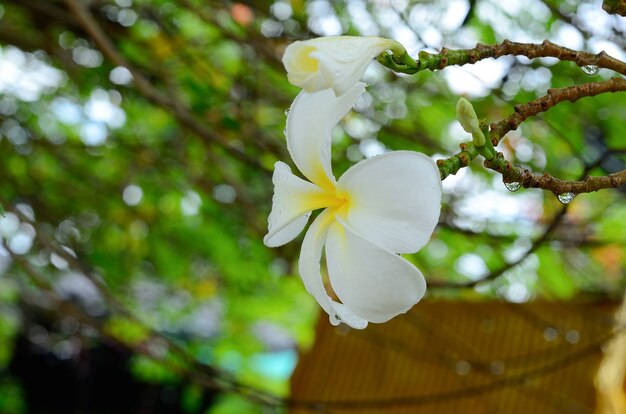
(287,111)
(514,186)
(497,367)
(336,74)
(566,198)
(285,131)
(463,367)
(550,334)
(572,336)
(590,69)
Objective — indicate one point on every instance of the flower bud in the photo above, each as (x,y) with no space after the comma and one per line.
(469,121)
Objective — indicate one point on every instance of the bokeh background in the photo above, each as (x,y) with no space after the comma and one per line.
(137,141)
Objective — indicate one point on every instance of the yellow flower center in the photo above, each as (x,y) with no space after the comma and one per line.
(305,61)
(327,198)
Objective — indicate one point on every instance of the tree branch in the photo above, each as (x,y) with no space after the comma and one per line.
(553,97)
(554,223)
(448,57)
(615,7)
(528,179)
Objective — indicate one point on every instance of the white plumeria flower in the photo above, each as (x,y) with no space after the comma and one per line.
(336,62)
(379,208)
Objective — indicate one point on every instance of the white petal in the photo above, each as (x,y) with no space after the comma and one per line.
(286,233)
(373,282)
(336,62)
(309,267)
(290,206)
(310,122)
(395,199)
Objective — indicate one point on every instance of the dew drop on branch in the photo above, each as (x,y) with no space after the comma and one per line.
(566,198)
(513,186)
(590,69)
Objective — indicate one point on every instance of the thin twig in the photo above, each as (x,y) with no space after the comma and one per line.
(204,374)
(182,114)
(538,242)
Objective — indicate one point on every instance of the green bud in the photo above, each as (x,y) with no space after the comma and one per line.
(469,121)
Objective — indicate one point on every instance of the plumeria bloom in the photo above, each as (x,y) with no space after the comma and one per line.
(379,208)
(336,62)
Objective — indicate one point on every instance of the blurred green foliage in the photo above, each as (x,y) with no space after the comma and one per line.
(158,179)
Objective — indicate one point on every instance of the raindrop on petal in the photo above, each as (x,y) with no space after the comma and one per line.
(566,198)
(287,111)
(513,186)
(590,69)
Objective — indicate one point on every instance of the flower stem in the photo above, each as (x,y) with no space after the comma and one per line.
(452,165)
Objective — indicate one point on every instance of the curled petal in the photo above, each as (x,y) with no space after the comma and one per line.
(286,233)
(371,281)
(336,62)
(309,268)
(310,122)
(344,314)
(395,199)
(291,206)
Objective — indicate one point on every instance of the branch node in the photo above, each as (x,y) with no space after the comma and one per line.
(464,159)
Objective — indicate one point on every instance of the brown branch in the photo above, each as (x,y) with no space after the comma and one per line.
(449,57)
(615,7)
(13,35)
(549,49)
(528,179)
(553,97)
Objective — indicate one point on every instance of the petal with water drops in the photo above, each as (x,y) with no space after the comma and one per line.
(373,282)
(309,267)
